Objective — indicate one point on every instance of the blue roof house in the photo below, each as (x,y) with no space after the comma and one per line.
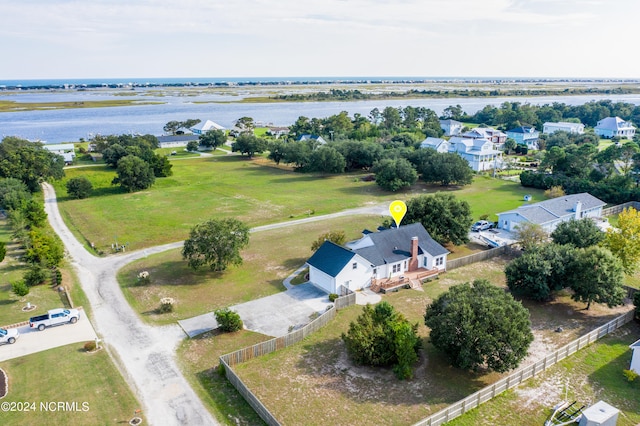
(375,256)
(525,135)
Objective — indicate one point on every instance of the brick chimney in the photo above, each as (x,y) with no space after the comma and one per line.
(413,262)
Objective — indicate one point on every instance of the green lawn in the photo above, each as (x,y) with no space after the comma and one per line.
(260,275)
(203,188)
(68,374)
(592,374)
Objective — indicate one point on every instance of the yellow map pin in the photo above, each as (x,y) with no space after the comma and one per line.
(398,209)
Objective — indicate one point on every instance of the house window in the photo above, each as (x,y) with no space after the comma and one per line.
(396,268)
(439,261)
(354,265)
(424,262)
(375,272)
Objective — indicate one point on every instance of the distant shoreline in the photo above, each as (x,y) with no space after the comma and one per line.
(119,83)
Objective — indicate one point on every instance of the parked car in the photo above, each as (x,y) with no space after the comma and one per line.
(9,335)
(481,225)
(54,317)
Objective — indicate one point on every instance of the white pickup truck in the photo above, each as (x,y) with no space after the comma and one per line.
(54,317)
(8,335)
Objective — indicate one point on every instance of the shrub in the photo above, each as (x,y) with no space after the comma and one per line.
(166,305)
(630,375)
(57,276)
(636,303)
(90,346)
(228,320)
(20,288)
(143,278)
(333,297)
(35,276)
(79,187)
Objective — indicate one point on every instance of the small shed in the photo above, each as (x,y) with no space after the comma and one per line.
(599,414)
(635,357)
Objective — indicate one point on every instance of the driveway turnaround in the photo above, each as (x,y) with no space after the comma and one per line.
(32,341)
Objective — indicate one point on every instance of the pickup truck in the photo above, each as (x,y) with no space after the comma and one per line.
(54,317)
(8,335)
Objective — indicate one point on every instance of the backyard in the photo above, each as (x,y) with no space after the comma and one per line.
(318,370)
(233,186)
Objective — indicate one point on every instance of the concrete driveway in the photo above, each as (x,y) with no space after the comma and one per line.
(271,315)
(32,341)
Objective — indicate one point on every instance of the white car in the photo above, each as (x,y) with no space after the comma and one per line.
(481,225)
(9,336)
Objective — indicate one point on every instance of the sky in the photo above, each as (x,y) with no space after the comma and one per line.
(48,39)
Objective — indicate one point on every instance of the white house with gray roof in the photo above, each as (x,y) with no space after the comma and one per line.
(635,357)
(550,213)
(66,150)
(615,126)
(377,255)
(479,153)
(562,126)
(451,127)
(204,127)
(440,145)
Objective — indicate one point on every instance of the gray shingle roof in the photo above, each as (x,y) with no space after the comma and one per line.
(550,210)
(331,258)
(394,245)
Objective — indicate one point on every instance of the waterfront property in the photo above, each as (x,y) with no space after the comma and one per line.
(175,141)
(492,135)
(615,126)
(382,260)
(562,126)
(204,127)
(451,127)
(548,214)
(66,150)
(525,135)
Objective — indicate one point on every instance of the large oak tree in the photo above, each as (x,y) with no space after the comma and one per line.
(216,243)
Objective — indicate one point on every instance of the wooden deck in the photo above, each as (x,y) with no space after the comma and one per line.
(412,279)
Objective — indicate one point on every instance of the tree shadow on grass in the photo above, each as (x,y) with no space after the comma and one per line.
(7,302)
(172,273)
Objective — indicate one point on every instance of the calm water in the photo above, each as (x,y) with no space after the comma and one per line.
(70,125)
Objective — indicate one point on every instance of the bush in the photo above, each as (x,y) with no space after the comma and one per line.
(79,187)
(333,297)
(90,346)
(630,375)
(143,278)
(166,305)
(20,288)
(35,276)
(636,303)
(228,320)
(57,276)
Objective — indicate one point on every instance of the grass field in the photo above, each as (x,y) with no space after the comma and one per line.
(317,370)
(260,275)
(12,106)
(68,374)
(592,374)
(232,186)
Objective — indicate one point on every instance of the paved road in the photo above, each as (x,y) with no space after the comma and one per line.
(32,341)
(145,354)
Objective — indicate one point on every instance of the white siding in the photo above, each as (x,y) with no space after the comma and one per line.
(635,360)
(322,280)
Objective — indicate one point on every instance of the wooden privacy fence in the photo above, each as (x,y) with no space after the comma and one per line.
(480,256)
(618,209)
(522,374)
(243,355)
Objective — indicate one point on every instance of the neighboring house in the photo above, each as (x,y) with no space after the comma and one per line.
(316,138)
(635,357)
(550,213)
(615,126)
(562,126)
(278,131)
(377,255)
(175,141)
(66,150)
(438,144)
(451,127)
(204,127)
(492,135)
(479,153)
(525,135)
